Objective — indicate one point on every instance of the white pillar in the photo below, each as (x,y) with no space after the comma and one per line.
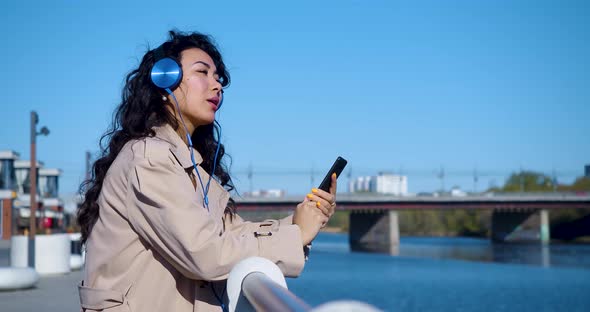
(545,233)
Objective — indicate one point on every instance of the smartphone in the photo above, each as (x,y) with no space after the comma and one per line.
(337,168)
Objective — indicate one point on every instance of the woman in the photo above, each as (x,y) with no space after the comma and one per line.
(160,234)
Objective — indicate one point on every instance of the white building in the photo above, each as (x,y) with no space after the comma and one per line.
(457,192)
(360,184)
(15,197)
(271,193)
(22,169)
(7,175)
(49,182)
(384,183)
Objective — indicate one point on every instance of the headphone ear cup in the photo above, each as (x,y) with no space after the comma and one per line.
(166,73)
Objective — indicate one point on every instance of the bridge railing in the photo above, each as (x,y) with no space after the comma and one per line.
(257,284)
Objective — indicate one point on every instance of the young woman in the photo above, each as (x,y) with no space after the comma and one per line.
(160,229)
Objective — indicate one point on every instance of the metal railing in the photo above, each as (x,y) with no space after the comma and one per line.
(266,295)
(257,284)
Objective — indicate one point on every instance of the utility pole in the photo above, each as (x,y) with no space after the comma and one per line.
(311,176)
(441,176)
(554,182)
(349,176)
(250,174)
(33,191)
(521,180)
(475,179)
(88,169)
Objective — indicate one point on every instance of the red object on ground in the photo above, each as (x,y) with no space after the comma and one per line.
(47,222)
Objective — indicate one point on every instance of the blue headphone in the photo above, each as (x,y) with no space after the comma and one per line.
(166,74)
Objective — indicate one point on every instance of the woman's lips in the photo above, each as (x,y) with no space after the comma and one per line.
(214,102)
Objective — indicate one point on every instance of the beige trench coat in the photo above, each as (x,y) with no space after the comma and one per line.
(156,248)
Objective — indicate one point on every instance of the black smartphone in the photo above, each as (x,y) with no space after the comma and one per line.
(337,167)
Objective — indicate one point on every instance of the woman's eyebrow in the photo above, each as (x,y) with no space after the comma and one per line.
(204,63)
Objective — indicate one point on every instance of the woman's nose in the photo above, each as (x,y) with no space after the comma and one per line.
(216,85)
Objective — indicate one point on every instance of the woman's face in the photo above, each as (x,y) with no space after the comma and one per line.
(199,92)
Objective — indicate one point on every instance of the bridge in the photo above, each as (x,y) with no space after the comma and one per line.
(374,221)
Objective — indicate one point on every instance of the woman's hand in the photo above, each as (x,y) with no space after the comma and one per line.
(309,219)
(315,211)
(325,201)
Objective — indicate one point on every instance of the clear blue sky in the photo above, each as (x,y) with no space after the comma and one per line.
(389,85)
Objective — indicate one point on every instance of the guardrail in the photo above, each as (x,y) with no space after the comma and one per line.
(266,295)
(257,284)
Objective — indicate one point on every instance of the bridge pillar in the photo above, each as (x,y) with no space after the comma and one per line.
(374,231)
(545,234)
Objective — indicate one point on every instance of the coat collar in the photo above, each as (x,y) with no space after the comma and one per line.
(218,196)
(179,148)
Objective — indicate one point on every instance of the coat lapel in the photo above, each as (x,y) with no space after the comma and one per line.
(218,196)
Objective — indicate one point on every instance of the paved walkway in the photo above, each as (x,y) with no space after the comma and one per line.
(53,293)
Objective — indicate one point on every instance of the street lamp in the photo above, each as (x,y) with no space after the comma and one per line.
(33,191)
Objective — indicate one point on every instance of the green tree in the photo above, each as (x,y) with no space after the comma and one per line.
(528,181)
(581,185)
(340,220)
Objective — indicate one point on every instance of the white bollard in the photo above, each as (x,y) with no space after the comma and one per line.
(19,251)
(52,253)
(17,278)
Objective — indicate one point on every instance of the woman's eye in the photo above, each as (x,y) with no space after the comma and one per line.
(202,72)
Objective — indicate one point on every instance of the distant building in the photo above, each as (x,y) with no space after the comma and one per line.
(49,182)
(7,192)
(457,192)
(49,191)
(587,171)
(15,198)
(387,183)
(22,169)
(7,173)
(360,184)
(384,183)
(273,193)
